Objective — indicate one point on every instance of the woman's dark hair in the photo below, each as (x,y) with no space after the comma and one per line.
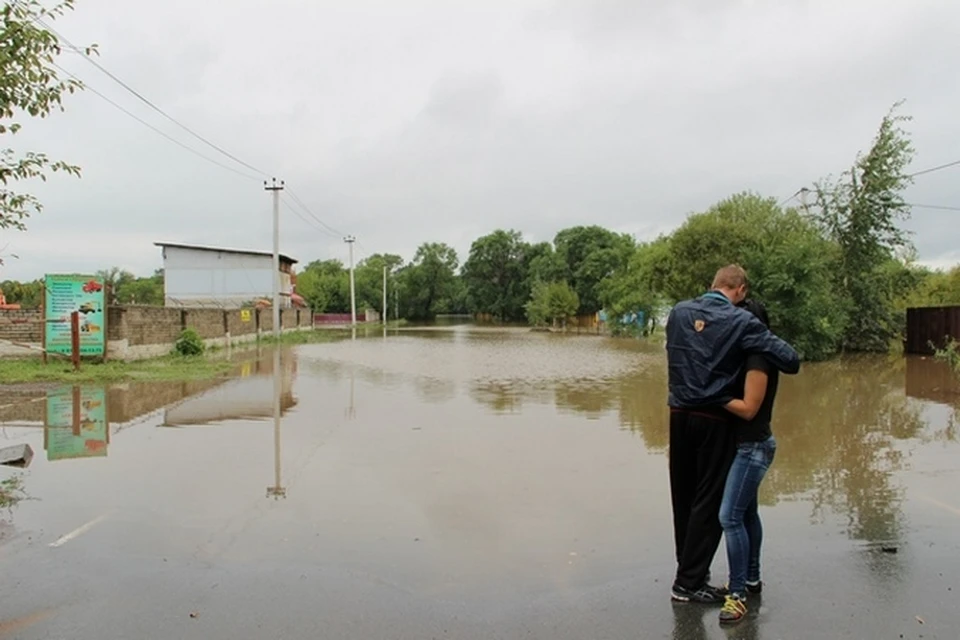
(756,308)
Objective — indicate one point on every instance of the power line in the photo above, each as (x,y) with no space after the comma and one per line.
(306,209)
(148,103)
(934,206)
(937,168)
(310,222)
(153,128)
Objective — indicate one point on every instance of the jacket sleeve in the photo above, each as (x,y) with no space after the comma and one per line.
(757,338)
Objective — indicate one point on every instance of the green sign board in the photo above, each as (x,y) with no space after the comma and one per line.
(76,423)
(65,294)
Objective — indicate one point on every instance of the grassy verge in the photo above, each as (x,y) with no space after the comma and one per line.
(172,367)
(950,354)
(11,492)
(20,370)
(314,336)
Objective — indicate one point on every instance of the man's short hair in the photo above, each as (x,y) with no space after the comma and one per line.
(731,276)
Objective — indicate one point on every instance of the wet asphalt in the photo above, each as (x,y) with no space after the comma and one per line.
(475,485)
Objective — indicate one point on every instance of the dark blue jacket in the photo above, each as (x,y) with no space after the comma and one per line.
(708,339)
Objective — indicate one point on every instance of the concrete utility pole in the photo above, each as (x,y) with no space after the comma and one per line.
(276,189)
(384,295)
(353,294)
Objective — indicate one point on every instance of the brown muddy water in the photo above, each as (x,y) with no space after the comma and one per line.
(466,483)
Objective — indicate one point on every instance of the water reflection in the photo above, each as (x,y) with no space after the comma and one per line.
(75,423)
(838,426)
(843,426)
(249,396)
(277,490)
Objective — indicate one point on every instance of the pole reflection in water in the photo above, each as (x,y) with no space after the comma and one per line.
(277,491)
(351,412)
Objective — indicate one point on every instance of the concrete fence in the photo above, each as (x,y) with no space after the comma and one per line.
(135,332)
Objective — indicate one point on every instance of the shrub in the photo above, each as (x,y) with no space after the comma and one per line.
(189,344)
(950,354)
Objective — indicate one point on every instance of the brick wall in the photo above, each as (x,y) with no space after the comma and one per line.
(209,323)
(141,331)
(21,325)
(145,325)
(238,327)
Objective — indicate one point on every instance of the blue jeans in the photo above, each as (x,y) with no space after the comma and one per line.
(738,512)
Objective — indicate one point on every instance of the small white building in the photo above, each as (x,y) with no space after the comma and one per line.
(198,276)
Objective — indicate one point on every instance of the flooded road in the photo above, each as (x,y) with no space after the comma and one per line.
(466,483)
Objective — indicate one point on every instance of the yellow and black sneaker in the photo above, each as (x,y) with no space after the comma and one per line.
(734,609)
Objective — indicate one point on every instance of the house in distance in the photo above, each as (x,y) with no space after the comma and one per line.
(200,276)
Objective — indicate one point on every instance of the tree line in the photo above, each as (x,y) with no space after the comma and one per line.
(836,273)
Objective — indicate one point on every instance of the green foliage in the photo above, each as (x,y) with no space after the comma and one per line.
(950,354)
(787,259)
(189,344)
(368,280)
(325,285)
(12,492)
(429,283)
(589,255)
(931,288)
(495,275)
(552,303)
(640,286)
(860,213)
(143,291)
(172,367)
(27,294)
(29,86)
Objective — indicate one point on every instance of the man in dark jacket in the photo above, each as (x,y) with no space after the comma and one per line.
(708,339)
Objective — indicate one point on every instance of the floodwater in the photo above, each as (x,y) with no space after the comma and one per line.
(466,483)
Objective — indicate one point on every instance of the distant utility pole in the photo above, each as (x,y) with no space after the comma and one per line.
(803,200)
(276,188)
(396,301)
(353,294)
(384,294)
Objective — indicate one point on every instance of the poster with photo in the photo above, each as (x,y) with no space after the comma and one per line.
(65,294)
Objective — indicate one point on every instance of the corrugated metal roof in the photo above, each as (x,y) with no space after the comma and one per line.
(247,252)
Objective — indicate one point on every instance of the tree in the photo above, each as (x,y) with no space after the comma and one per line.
(640,286)
(589,255)
(543,264)
(143,291)
(788,261)
(26,294)
(368,280)
(29,85)
(552,303)
(930,288)
(428,280)
(860,212)
(115,278)
(325,285)
(495,276)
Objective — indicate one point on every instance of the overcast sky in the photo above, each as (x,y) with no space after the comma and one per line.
(413,121)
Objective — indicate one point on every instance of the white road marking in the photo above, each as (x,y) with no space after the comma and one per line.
(942,505)
(79,531)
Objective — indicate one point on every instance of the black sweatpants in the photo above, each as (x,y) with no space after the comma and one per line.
(702,447)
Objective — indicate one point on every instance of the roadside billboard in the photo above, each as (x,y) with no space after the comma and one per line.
(64,294)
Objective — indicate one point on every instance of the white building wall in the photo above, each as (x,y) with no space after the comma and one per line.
(194,277)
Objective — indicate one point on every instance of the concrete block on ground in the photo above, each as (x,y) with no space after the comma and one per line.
(18,455)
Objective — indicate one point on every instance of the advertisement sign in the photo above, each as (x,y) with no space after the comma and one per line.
(76,425)
(65,294)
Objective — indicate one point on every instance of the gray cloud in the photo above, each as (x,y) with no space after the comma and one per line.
(442,121)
